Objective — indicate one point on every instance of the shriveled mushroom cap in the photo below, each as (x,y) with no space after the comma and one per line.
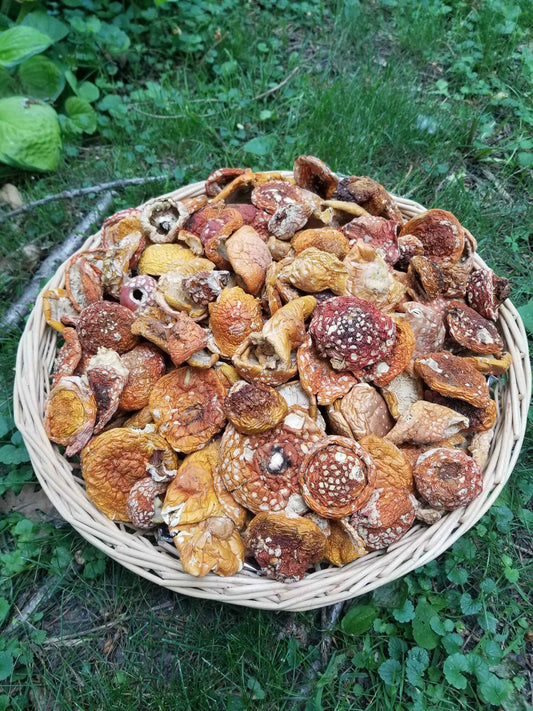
(160,258)
(393,469)
(254,408)
(397,360)
(261,471)
(472,331)
(68,357)
(191,495)
(107,376)
(426,422)
(186,405)
(387,516)
(327,239)
(402,392)
(284,546)
(447,478)
(70,414)
(144,503)
(249,257)
(343,544)
(319,378)
(352,332)
(114,461)
(106,324)
(56,303)
(440,232)
(369,194)
(451,376)
(313,174)
(233,317)
(213,545)
(486,292)
(83,278)
(337,477)
(366,411)
(145,364)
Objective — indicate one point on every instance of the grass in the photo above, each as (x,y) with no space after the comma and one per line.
(434,101)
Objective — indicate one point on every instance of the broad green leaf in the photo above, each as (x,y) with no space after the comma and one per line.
(260,146)
(41,78)
(424,636)
(115,40)
(405,613)
(82,114)
(417,663)
(494,690)
(468,605)
(47,24)
(359,619)
(19,43)
(390,671)
(478,666)
(29,134)
(13,455)
(6,665)
(88,91)
(8,86)
(453,668)
(397,647)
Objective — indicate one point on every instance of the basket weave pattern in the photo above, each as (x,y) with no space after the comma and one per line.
(158,562)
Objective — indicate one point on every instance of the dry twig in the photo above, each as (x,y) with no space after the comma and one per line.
(69,194)
(277,87)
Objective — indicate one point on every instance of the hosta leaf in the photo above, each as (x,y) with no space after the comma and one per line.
(47,24)
(8,86)
(29,134)
(19,43)
(41,78)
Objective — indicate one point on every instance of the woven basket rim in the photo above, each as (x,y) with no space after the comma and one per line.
(158,562)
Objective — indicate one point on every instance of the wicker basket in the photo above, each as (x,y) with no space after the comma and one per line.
(158,561)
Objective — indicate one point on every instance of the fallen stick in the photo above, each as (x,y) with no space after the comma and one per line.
(18,309)
(68,194)
(277,87)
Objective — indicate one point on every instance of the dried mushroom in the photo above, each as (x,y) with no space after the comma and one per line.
(254,408)
(144,503)
(70,414)
(56,304)
(284,546)
(114,461)
(213,545)
(187,407)
(440,232)
(351,332)
(452,376)
(370,195)
(162,219)
(145,365)
(261,471)
(486,292)
(387,516)
(106,324)
(337,477)
(233,317)
(68,356)
(191,497)
(447,478)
